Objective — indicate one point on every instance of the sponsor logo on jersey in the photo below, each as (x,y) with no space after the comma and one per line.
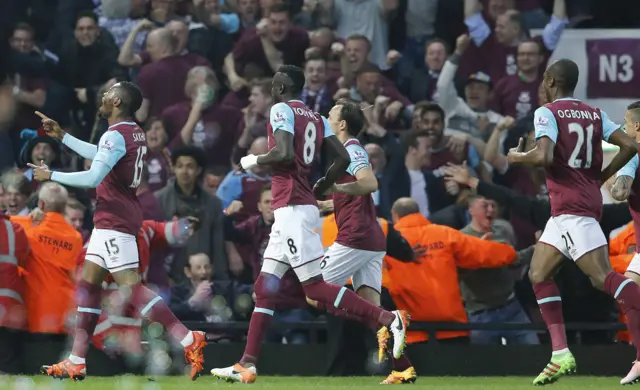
(280,117)
(108,145)
(542,121)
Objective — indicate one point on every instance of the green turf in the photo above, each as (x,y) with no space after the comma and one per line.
(298,383)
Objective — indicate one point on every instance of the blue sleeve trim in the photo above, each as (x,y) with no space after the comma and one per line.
(328,130)
(545,124)
(282,118)
(608,126)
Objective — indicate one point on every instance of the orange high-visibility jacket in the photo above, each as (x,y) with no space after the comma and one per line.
(330,233)
(429,291)
(50,289)
(14,251)
(622,248)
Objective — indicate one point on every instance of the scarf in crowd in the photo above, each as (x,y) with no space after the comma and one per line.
(318,99)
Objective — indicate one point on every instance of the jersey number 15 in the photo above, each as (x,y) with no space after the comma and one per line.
(139,166)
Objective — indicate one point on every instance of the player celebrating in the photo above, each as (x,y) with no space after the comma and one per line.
(295,137)
(569,136)
(359,248)
(116,169)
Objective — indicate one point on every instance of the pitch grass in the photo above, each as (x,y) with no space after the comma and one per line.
(298,383)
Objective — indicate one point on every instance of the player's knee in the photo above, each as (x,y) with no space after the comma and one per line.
(314,288)
(265,289)
(127,277)
(369,294)
(597,281)
(537,275)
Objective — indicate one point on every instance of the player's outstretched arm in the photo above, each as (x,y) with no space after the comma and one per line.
(111,149)
(546,133)
(84,149)
(628,148)
(340,164)
(622,187)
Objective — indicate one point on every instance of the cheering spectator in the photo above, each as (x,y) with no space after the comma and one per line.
(158,160)
(495,51)
(30,92)
(212,178)
(426,190)
(197,298)
(17,190)
(186,197)
(317,93)
(86,64)
(201,121)
(272,43)
(517,95)
(489,294)
(469,118)
(119,18)
(369,18)
(39,149)
(254,122)
(213,36)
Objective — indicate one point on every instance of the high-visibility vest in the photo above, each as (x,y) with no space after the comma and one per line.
(330,233)
(12,286)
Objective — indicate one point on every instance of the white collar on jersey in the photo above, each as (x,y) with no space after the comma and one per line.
(567,98)
(295,100)
(122,123)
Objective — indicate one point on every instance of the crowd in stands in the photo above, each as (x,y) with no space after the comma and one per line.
(447,87)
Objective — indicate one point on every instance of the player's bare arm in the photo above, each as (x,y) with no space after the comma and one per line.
(366,183)
(282,152)
(340,164)
(628,148)
(621,188)
(541,155)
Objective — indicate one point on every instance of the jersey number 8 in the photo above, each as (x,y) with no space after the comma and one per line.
(138,167)
(574,161)
(309,149)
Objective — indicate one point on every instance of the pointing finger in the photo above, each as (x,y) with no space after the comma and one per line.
(41,115)
(32,165)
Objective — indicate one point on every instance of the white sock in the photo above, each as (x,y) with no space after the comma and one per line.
(560,352)
(187,340)
(76,360)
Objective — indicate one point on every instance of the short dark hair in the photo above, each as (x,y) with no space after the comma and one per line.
(188,151)
(25,27)
(216,170)
(359,37)
(265,188)
(131,96)
(566,73)
(634,106)
(533,41)
(280,8)
(315,57)
(410,139)
(433,107)
(353,115)
(635,110)
(87,14)
(296,75)
(437,40)
(263,84)
(368,67)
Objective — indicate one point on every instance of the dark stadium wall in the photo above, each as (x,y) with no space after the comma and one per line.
(311,359)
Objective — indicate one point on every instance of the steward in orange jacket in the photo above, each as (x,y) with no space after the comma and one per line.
(429,291)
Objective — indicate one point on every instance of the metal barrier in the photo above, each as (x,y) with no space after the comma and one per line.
(430,327)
